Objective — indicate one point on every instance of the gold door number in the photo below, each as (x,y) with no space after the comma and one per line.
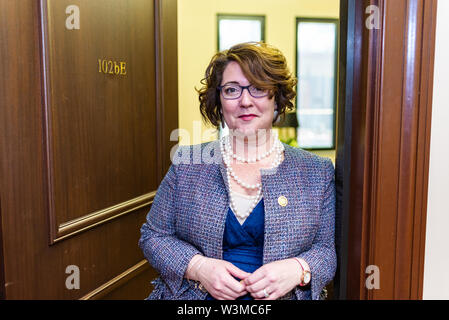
(112,67)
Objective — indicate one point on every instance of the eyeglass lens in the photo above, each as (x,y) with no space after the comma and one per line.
(234,91)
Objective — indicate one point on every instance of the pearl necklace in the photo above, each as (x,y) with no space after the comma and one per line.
(255,159)
(226,153)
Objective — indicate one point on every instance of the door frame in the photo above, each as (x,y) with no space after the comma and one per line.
(382,162)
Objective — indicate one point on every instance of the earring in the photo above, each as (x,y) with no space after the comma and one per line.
(275,114)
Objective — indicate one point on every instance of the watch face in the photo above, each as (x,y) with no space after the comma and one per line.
(307,276)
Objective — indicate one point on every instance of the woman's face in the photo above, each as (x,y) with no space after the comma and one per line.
(245,114)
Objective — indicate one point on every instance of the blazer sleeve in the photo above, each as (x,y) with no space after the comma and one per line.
(168,254)
(321,257)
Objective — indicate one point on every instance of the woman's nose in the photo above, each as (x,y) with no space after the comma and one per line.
(246,99)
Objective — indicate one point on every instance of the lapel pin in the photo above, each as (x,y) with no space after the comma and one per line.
(282,201)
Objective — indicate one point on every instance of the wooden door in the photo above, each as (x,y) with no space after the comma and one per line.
(88,97)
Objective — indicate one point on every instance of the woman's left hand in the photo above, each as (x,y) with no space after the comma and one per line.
(277,278)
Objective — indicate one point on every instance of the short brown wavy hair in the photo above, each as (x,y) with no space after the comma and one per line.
(263,65)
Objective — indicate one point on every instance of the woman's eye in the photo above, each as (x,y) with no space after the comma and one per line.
(230,90)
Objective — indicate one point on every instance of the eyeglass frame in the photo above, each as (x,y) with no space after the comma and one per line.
(219,88)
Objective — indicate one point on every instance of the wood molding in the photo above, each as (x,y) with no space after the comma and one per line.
(423,146)
(96,218)
(391,93)
(166,80)
(2,262)
(117,281)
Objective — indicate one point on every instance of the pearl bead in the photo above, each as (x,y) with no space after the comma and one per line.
(226,145)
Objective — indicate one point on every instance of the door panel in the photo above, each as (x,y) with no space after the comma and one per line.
(99,112)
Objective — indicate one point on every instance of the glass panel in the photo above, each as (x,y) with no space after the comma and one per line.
(316,71)
(233,31)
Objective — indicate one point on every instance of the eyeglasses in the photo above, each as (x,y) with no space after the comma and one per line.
(234,91)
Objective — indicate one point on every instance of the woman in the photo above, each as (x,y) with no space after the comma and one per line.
(259,222)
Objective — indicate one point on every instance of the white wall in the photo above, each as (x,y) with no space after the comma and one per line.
(436,263)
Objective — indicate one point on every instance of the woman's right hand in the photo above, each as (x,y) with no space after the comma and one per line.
(217,277)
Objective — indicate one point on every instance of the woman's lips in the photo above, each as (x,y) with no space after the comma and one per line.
(247,117)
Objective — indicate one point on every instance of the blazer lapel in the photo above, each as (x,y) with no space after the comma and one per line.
(275,184)
(222,204)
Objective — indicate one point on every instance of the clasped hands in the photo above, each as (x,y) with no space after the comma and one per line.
(271,281)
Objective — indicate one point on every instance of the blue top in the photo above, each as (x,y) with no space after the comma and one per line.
(243,244)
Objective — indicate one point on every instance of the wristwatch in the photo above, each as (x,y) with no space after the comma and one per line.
(306,274)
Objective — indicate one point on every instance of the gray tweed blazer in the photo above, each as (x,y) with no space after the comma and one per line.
(188,215)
